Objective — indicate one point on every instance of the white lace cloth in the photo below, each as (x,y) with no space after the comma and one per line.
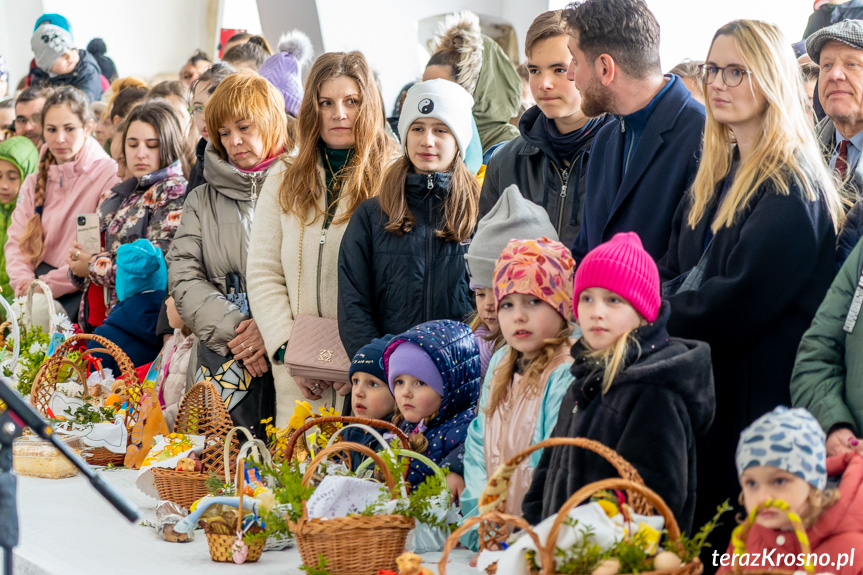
(338,496)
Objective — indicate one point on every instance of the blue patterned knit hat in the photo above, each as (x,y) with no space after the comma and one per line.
(790,439)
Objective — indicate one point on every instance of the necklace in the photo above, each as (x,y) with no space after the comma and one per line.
(337,177)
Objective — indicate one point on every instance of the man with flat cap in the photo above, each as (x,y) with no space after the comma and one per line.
(838,50)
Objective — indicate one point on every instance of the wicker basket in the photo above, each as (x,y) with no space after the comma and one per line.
(357,545)
(202,412)
(547,552)
(46,383)
(296,446)
(494,495)
(221,548)
(739,539)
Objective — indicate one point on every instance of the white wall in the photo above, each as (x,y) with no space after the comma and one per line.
(143,38)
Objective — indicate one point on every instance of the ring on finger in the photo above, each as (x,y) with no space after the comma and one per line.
(251,350)
(316,387)
(242,343)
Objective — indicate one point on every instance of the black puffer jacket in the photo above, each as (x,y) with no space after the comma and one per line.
(87,77)
(390,283)
(650,416)
(531,163)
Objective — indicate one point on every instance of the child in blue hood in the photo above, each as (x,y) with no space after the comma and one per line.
(142,281)
(433,371)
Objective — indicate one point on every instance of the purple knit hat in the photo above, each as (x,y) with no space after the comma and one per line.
(407,358)
(283,69)
(621,265)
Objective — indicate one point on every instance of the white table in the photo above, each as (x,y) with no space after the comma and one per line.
(67,528)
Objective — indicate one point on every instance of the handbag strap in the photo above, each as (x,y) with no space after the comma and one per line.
(300,264)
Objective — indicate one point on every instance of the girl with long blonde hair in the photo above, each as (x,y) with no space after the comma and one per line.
(305,208)
(407,245)
(756,236)
(636,390)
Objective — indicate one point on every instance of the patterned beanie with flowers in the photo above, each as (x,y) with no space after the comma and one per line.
(621,265)
(541,267)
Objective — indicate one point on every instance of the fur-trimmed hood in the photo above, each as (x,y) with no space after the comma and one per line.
(486,73)
(460,31)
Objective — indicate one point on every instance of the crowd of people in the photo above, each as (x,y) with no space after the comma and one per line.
(663,263)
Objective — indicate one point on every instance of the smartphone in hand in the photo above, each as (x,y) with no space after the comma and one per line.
(88,233)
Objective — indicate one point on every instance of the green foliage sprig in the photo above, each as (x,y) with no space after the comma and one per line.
(319,569)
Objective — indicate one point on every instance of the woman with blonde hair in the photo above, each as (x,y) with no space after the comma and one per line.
(756,234)
(306,206)
(207,261)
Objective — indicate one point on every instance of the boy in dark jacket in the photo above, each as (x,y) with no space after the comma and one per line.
(58,62)
(370,395)
(142,280)
(547,161)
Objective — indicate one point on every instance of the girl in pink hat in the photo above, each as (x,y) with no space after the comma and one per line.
(636,390)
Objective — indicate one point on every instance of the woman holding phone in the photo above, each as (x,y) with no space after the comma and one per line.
(73,171)
(147,205)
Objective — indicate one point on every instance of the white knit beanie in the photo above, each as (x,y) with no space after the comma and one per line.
(442,100)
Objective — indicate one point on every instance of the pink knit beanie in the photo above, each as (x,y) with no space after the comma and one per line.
(621,266)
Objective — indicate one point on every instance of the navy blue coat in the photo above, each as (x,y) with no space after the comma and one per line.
(664,166)
(132,326)
(452,347)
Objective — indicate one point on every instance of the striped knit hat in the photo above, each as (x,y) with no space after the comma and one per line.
(621,266)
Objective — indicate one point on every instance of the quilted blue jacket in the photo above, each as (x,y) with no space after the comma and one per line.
(452,347)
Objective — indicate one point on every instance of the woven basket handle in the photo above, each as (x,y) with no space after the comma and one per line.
(228,438)
(380,423)
(739,540)
(15,334)
(548,552)
(49,295)
(495,516)
(494,495)
(421,458)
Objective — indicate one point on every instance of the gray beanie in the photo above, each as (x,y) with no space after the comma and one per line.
(49,42)
(513,217)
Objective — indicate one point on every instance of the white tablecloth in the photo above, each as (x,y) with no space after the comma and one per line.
(67,528)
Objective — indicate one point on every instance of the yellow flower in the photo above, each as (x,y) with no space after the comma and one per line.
(651,537)
(301,412)
(328,411)
(610,508)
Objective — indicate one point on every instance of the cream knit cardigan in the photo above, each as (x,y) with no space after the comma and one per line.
(271,277)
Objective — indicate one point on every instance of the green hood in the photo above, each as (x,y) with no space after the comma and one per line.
(496,97)
(20,152)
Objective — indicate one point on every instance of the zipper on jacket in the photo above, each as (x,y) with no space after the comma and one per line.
(430,184)
(429,249)
(563,175)
(320,265)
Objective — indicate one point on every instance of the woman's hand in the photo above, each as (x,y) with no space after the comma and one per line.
(79,261)
(842,441)
(248,347)
(311,388)
(342,387)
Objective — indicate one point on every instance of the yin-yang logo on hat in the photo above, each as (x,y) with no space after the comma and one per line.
(426,106)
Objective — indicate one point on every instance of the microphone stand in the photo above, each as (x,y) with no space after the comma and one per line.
(17,416)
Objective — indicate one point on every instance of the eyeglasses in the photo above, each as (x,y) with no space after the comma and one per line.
(196,111)
(22,121)
(732,76)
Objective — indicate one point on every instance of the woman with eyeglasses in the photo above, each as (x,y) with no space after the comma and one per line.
(201,90)
(757,235)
